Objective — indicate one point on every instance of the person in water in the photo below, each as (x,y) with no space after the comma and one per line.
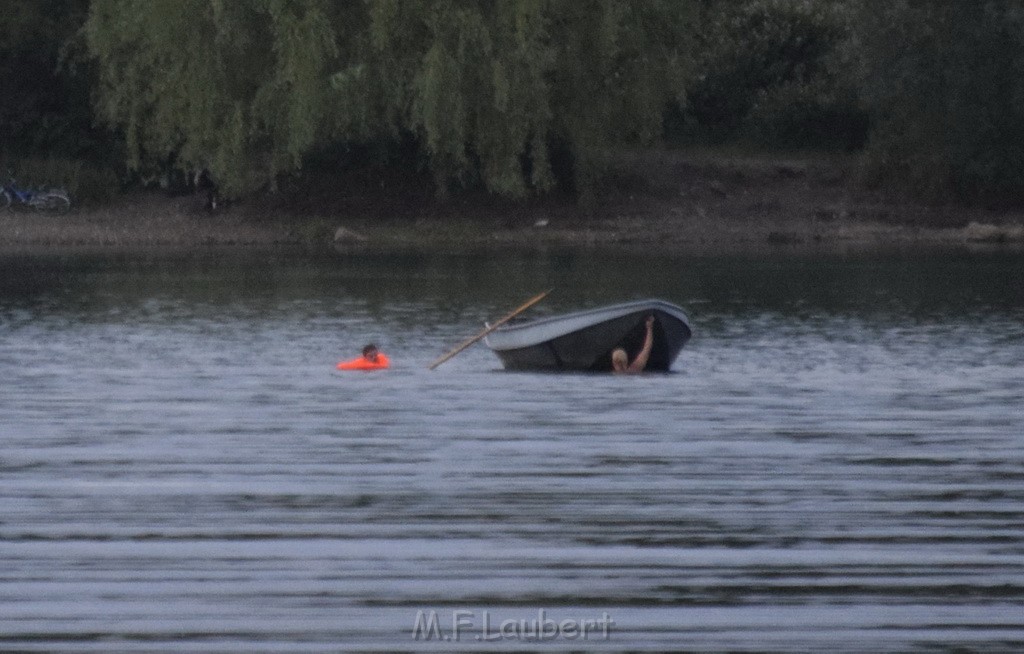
(620,360)
(372,359)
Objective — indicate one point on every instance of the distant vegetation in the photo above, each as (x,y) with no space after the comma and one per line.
(516,98)
(776,74)
(944,82)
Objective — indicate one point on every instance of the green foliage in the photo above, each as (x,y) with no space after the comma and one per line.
(236,87)
(774,72)
(515,96)
(247,89)
(945,81)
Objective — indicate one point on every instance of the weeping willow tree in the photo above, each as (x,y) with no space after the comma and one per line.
(486,88)
(237,87)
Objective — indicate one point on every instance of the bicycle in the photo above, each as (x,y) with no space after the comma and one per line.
(54,200)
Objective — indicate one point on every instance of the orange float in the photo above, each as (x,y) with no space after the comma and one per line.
(362,363)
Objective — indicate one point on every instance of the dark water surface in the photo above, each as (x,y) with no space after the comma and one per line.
(836,464)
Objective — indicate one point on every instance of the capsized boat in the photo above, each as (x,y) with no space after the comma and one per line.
(584,340)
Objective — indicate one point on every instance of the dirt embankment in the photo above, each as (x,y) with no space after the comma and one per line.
(652,200)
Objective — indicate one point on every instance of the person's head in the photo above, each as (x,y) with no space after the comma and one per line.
(620,360)
(370,352)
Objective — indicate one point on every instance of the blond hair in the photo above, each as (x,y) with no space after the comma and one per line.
(619,359)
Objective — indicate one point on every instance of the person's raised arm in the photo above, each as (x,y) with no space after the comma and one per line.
(640,362)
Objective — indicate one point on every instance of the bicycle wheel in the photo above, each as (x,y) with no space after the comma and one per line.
(54,203)
(5,200)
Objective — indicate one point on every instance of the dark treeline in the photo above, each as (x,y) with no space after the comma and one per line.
(517,97)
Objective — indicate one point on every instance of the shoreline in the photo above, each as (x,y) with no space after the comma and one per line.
(658,201)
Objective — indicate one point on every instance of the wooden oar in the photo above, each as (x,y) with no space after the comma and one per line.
(469,341)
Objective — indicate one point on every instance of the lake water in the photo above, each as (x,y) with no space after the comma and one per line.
(835,464)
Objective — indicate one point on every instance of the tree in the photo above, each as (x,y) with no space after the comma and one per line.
(945,82)
(486,88)
(773,72)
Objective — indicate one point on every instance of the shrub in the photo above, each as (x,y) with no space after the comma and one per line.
(945,82)
(774,72)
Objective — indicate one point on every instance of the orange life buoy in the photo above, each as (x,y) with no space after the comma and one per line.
(362,363)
